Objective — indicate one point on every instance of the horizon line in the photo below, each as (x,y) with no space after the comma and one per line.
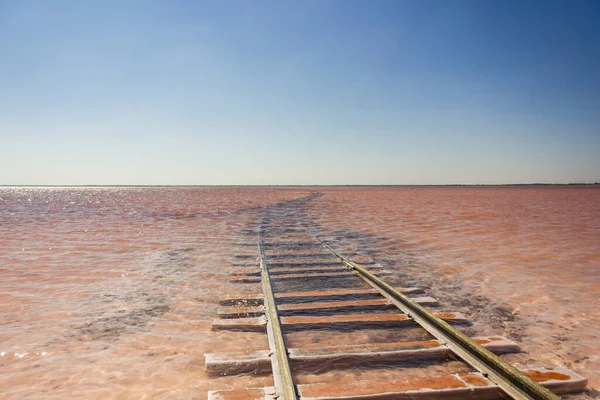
(321,185)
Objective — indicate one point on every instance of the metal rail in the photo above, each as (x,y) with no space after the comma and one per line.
(512,381)
(282,376)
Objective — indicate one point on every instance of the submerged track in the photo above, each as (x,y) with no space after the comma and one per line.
(308,285)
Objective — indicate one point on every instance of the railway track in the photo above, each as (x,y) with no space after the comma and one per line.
(349,319)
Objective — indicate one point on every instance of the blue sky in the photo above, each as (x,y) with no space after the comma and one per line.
(299,92)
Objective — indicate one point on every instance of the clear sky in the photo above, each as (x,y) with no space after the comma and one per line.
(299,92)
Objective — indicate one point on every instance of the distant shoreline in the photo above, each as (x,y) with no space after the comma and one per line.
(292,186)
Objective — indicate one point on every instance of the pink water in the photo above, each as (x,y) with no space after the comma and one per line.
(110,292)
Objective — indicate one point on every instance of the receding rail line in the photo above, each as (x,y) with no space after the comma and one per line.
(331,304)
(512,381)
(282,375)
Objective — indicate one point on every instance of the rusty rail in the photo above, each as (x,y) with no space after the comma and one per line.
(512,381)
(282,376)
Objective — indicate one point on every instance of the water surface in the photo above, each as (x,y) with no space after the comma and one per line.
(110,292)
